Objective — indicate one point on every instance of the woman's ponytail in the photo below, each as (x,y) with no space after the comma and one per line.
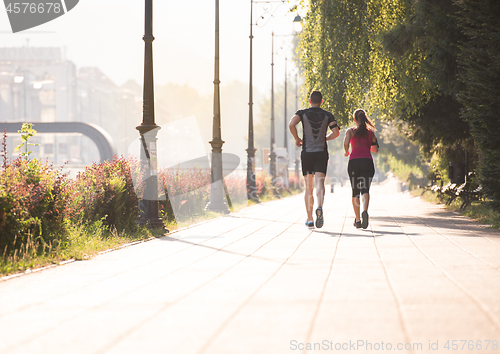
(363,122)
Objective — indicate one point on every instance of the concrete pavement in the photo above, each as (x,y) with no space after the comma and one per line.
(420,279)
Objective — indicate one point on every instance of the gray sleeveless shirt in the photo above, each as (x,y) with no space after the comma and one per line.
(315,122)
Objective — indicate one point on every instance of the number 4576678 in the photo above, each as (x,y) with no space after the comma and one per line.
(26,7)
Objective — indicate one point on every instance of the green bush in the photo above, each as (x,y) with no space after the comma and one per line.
(104,192)
(32,203)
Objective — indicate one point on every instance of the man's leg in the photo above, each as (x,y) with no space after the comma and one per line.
(320,187)
(308,197)
(319,180)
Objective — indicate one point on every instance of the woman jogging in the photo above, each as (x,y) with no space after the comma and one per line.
(360,168)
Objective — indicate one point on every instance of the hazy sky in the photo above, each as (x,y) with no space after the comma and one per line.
(108,34)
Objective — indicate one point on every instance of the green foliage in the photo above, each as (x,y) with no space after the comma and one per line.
(390,57)
(32,204)
(27,132)
(105,192)
(480,60)
(342,55)
(431,116)
(432,64)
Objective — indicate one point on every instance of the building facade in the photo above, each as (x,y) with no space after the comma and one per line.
(41,85)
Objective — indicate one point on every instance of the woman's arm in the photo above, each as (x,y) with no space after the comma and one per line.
(347,141)
(374,147)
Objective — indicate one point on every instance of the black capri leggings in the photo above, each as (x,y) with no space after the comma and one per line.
(361,173)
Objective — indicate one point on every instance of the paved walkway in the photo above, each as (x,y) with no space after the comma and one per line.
(260,282)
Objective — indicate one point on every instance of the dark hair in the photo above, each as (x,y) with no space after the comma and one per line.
(363,121)
(316,97)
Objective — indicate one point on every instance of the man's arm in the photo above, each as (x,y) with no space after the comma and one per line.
(293,129)
(334,131)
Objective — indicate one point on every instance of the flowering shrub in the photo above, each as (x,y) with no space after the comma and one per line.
(187,192)
(104,192)
(32,203)
(295,182)
(236,187)
(260,183)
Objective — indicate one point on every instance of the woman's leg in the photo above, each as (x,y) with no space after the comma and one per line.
(366,201)
(352,169)
(367,174)
(356,207)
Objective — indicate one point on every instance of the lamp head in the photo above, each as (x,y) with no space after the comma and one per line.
(297,24)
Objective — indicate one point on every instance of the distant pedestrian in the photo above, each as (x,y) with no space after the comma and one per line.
(314,155)
(360,168)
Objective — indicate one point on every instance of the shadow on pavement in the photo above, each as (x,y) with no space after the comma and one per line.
(449,223)
(366,233)
(172,239)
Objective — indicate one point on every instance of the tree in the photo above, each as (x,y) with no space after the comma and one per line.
(341,53)
(480,60)
(397,59)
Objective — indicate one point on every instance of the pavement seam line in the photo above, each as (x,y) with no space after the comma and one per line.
(121,273)
(68,261)
(117,248)
(405,324)
(166,306)
(471,221)
(35,270)
(323,290)
(482,306)
(219,330)
(109,301)
(453,242)
(31,271)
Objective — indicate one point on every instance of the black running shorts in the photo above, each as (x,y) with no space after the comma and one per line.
(361,172)
(313,162)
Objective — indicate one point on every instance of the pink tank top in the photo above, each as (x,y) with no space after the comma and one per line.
(361,146)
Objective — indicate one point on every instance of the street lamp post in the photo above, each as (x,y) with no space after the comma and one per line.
(297,25)
(285,130)
(148,203)
(297,161)
(285,143)
(251,188)
(217,193)
(272,155)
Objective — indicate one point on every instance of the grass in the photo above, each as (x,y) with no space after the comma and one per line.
(84,242)
(478,211)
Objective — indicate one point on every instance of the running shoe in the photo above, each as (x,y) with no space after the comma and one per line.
(364,219)
(319,218)
(309,223)
(357,224)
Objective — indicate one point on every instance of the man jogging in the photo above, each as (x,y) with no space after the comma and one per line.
(314,156)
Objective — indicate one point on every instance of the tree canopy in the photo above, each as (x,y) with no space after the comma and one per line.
(433,65)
